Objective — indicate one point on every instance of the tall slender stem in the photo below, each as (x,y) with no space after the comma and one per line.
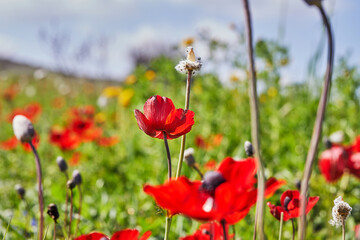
(223,224)
(79,212)
(343,230)
(198,171)
(281,225)
(167,227)
(255,128)
(293,229)
(54,230)
(183,138)
(66,200)
(168,155)
(71,212)
(40,191)
(318,125)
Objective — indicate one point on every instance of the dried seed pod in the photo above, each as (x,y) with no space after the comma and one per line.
(53,212)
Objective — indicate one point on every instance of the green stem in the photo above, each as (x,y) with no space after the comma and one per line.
(40,191)
(71,212)
(66,200)
(183,138)
(167,227)
(317,126)
(281,225)
(223,224)
(343,231)
(293,229)
(79,212)
(168,155)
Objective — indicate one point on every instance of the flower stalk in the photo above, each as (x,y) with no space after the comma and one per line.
(40,191)
(223,224)
(281,225)
(255,129)
(318,124)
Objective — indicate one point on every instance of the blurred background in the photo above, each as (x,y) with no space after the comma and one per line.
(106,39)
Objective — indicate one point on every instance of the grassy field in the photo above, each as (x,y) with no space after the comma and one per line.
(113,176)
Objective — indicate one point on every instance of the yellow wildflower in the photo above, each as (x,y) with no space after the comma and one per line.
(130,80)
(125,97)
(150,75)
(111,91)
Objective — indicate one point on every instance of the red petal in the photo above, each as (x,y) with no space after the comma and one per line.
(126,234)
(276,212)
(157,109)
(311,203)
(146,235)
(144,124)
(332,163)
(92,236)
(272,185)
(179,122)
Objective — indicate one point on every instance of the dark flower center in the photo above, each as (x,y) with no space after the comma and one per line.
(286,203)
(211,181)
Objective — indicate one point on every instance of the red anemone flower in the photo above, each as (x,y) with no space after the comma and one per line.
(209,231)
(31,111)
(64,138)
(226,194)
(332,163)
(107,141)
(290,205)
(354,164)
(126,234)
(160,116)
(87,111)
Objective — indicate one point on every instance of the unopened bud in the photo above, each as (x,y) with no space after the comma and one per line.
(249,149)
(53,212)
(77,177)
(328,144)
(71,184)
(61,163)
(298,184)
(23,128)
(337,137)
(20,191)
(189,156)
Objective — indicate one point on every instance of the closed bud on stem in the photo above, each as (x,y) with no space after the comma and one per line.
(23,128)
(61,163)
(20,191)
(77,177)
(71,184)
(328,144)
(53,212)
(189,157)
(249,149)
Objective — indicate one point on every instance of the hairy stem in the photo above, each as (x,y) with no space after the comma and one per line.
(183,138)
(318,125)
(40,191)
(255,128)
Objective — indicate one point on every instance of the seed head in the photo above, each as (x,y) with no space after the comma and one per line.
(53,212)
(23,128)
(340,212)
(191,64)
(71,184)
(61,163)
(20,191)
(189,156)
(249,149)
(77,177)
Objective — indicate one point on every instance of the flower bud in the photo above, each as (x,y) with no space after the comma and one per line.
(328,144)
(20,191)
(61,163)
(337,137)
(249,149)
(189,157)
(23,128)
(53,212)
(77,177)
(71,184)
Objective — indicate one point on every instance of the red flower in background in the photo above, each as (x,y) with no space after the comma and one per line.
(332,163)
(9,144)
(209,231)
(226,194)
(64,138)
(35,141)
(85,129)
(87,111)
(126,234)
(354,164)
(107,141)
(75,159)
(290,205)
(31,111)
(213,141)
(161,116)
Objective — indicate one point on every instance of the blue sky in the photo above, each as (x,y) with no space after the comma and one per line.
(129,23)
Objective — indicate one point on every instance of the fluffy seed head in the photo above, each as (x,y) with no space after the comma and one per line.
(23,128)
(340,212)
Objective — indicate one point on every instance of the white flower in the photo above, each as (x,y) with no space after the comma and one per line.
(23,128)
(340,212)
(190,64)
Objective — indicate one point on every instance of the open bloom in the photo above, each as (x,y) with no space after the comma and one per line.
(332,163)
(290,205)
(126,234)
(225,194)
(160,116)
(209,231)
